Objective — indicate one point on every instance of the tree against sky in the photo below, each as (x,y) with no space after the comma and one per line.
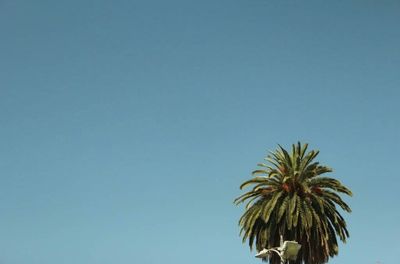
(290,198)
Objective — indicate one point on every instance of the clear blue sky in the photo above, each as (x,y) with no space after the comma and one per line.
(127,126)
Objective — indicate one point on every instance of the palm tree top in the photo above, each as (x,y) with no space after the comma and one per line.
(290,196)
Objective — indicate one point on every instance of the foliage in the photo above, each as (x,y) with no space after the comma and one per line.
(289,197)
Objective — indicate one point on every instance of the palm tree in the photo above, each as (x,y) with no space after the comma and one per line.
(291,199)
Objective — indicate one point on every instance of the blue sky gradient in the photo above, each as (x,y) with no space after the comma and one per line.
(128,126)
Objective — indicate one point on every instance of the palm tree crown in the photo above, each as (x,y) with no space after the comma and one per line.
(290,198)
